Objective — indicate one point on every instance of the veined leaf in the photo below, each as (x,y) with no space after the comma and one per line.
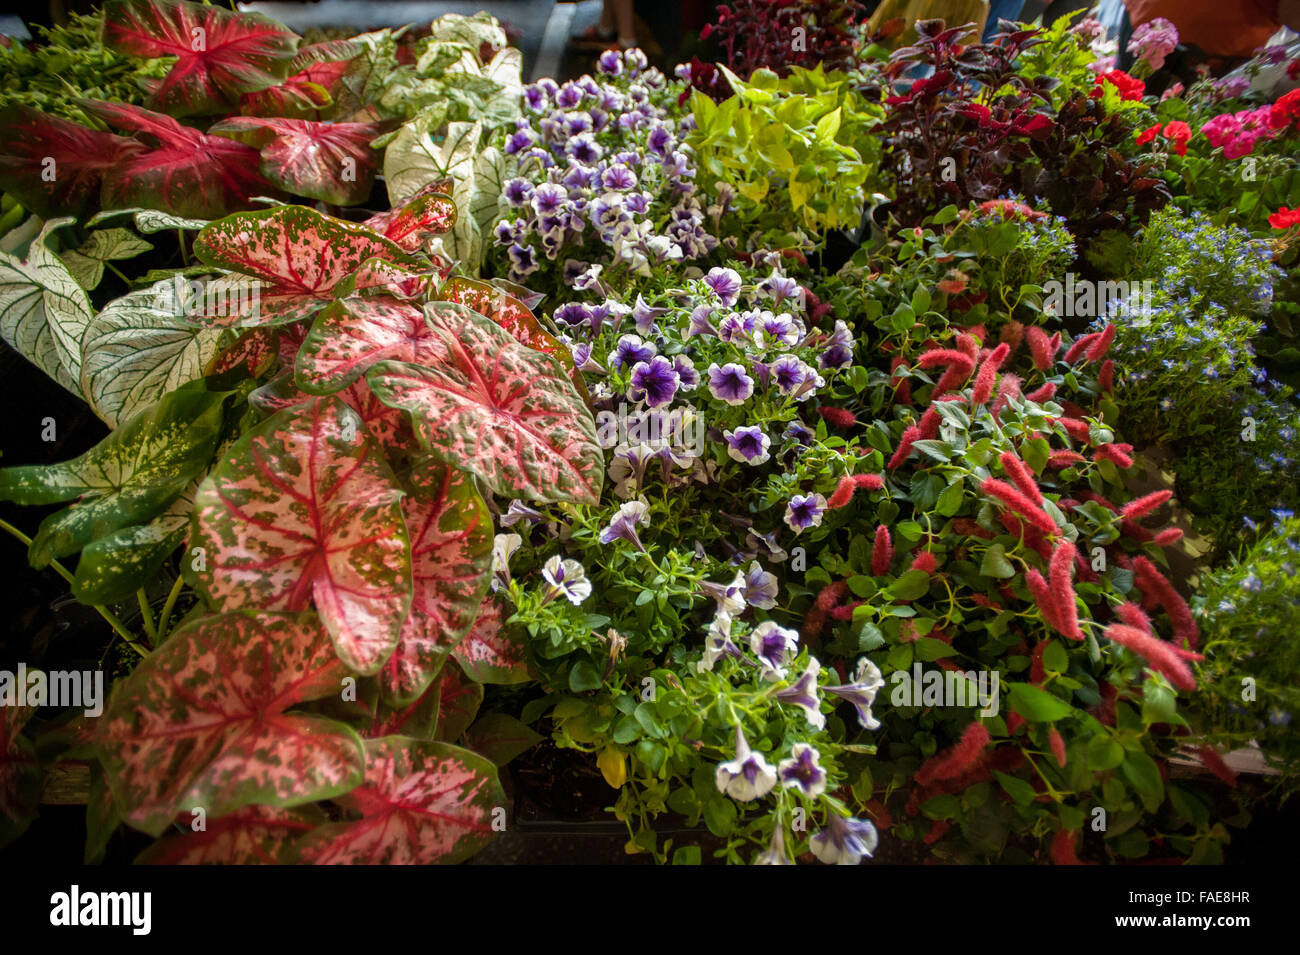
(219,53)
(317,75)
(500,737)
(54,166)
(499,410)
(303,510)
(20,773)
(413,160)
(186,173)
(489,653)
(139,348)
(254,835)
(43,311)
(300,254)
(430,212)
(375,277)
(126,479)
(387,425)
(86,263)
(451,560)
(353,334)
(329,161)
(201,722)
(421,803)
(458,703)
(115,566)
(418,720)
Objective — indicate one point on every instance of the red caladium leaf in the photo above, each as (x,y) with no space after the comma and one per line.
(387,425)
(424,215)
(219,54)
(417,720)
(490,653)
(497,409)
(255,351)
(458,703)
(20,773)
(355,333)
(298,253)
(316,74)
(510,313)
(254,835)
(186,173)
(328,161)
(303,510)
(54,166)
(421,803)
(451,560)
(387,279)
(202,722)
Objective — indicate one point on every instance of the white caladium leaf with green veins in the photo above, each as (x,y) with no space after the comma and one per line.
(303,511)
(226,742)
(414,159)
(128,478)
(86,263)
(497,409)
(43,311)
(149,221)
(138,348)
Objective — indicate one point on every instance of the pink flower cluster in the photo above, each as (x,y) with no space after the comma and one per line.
(1153,41)
(1238,132)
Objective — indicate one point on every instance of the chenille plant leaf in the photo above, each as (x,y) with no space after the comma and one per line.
(219,54)
(298,254)
(202,722)
(501,411)
(421,803)
(303,511)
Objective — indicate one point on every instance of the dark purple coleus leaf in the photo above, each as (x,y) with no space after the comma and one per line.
(490,653)
(451,561)
(328,161)
(54,166)
(202,722)
(254,835)
(184,172)
(219,54)
(303,511)
(429,213)
(297,254)
(421,803)
(503,412)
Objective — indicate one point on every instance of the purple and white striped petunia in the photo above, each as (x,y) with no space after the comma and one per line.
(801,771)
(747,777)
(567,577)
(630,350)
(725,284)
(803,694)
(729,383)
(624,524)
(804,511)
(760,587)
(862,692)
(774,646)
(748,445)
(654,381)
(844,841)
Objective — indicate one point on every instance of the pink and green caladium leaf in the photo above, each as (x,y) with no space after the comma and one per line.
(328,161)
(20,773)
(128,478)
(490,652)
(375,277)
(500,737)
(422,803)
(219,54)
(303,511)
(386,425)
(298,254)
(54,166)
(417,719)
(354,333)
(428,213)
(451,561)
(202,722)
(316,75)
(254,835)
(458,703)
(501,411)
(185,172)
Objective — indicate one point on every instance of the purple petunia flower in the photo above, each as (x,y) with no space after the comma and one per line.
(862,692)
(573,314)
(718,643)
(660,140)
(547,198)
(583,361)
(522,260)
(748,445)
(644,316)
(630,350)
(536,97)
(568,578)
(518,191)
(779,287)
(519,511)
(760,587)
(796,430)
(687,377)
(844,841)
(839,350)
(569,96)
(730,597)
(624,524)
(729,383)
(520,140)
(775,853)
(619,177)
(804,511)
(725,284)
(789,373)
(803,694)
(774,646)
(748,776)
(802,771)
(653,381)
(780,329)
(610,63)
(584,149)
(700,324)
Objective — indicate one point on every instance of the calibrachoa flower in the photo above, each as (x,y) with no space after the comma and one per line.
(801,771)
(747,777)
(803,694)
(654,382)
(730,383)
(625,523)
(774,646)
(568,578)
(760,587)
(844,841)
(862,692)
(725,284)
(804,511)
(748,445)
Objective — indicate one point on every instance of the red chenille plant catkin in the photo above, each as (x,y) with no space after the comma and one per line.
(1180,615)
(1019,502)
(924,561)
(911,434)
(1080,346)
(882,552)
(1100,345)
(1019,472)
(1142,506)
(1106,377)
(837,417)
(1043,598)
(987,375)
(1040,348)
(1061,580)
(1215,764)
(956,760)
(1159,655)
(1063,849)
(1170,535)
(1058,746)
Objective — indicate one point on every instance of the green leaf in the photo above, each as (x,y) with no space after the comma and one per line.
(500,737)
(1017,789)
(584,677)
(950,500)
(1037,705)
(1142,773)
(126,479)
(911,585)
(1103,753)
(929,649)
(1055,658)
(995,564)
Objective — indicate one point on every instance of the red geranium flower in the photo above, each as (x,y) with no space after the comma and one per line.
(1129,87)
(1179,132)
(1285,218)
(1285,111)
(1148,134)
